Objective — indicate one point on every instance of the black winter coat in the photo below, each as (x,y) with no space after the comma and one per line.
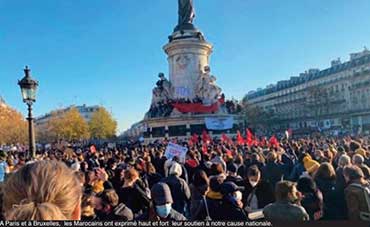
(180,192)
(263,192)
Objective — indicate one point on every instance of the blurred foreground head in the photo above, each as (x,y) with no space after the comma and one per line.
(43,190)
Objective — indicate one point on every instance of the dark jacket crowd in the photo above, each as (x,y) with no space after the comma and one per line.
(298,180)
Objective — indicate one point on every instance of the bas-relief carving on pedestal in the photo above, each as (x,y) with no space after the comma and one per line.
(184,56)
(182,88)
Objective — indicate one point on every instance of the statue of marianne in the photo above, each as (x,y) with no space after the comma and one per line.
(186,12)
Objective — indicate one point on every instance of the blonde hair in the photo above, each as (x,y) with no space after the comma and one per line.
(87,206)
(43,190)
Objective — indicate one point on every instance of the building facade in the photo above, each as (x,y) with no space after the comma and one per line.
(335,99)
(2,102)
(85,111)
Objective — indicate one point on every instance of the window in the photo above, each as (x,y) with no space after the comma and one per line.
(198,129)
(177,130)
(158,132)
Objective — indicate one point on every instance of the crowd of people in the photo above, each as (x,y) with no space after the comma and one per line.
(297,180)
(164,108)
(161,109)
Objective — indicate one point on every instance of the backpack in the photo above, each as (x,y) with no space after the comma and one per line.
(365,216)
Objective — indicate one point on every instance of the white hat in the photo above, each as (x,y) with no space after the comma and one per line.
(176,169)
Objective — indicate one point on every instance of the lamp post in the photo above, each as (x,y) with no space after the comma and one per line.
(28,89)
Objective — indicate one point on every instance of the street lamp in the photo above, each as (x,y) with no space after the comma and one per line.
(28,88)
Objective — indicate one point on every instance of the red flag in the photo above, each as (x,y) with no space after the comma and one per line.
(225,139)
(190,142)
(239,138)
(273,141)
(256,142)
(194,138)
(204,148)
(263,142)
(249,137)
(205,137)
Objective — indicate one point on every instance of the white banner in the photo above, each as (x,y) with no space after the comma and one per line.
(173,150)
(219,123)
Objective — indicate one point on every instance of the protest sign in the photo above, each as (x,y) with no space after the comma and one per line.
(173,150)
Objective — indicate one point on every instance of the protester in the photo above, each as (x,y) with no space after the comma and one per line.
(343,161)
(212,209)
(133,192)
(341,184)
(199,189)
(286,207)
(179,188)
(358,160)
(272,172)
(87,208)
(3,166)
(161,207)
(232,174)
(232,206)
(197,183)
(325,180)
(357,194)
(257,193)
(43,190)
(312,199)
(107,207)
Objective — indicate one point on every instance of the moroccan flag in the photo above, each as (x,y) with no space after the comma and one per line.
(249,137)
(255,142)
(190,142)
(204,148)
(263,142)
(205,137)
(194,138)
(225,139)
(273,141)
(239,138)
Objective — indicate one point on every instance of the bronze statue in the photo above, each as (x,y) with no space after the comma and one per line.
(186,12)
(186,15)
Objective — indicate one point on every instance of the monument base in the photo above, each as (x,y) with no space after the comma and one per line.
(185,125)
(187,57)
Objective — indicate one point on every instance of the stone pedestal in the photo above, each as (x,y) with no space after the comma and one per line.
(188,54)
